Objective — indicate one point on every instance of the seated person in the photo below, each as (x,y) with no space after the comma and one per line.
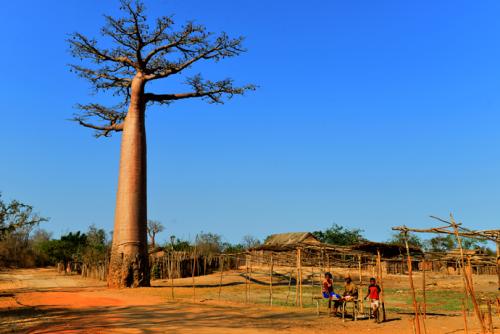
(327,289)
(350,292)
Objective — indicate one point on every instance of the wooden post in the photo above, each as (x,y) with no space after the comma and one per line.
(498,261)
(300,277)
(410,277)
(246,279)
(250,278)
(380,281)
(297,281)
(221,259)
(172,274)
(359,270)
(312,284)
(424,308)
(289,286)
(464,313)
(192,275)
(271,281)
(490,319)
(423,320)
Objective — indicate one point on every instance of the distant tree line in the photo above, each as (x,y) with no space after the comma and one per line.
(24,244)
(344,236)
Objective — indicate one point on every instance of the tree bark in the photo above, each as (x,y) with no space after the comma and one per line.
(129,263)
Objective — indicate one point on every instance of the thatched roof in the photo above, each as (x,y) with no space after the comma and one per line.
(477,256)
(287,241)
(386,250)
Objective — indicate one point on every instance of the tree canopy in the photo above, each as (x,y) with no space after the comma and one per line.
(15,215)
(340,235)
(413,240)
(153,49)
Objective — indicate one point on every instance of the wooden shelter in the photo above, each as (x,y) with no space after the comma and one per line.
(288,241)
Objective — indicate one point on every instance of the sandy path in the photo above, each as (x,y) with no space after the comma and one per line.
(41,301)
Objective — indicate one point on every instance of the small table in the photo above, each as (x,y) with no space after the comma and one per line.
(355,304)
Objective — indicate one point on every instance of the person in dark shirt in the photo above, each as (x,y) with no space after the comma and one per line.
(374,295)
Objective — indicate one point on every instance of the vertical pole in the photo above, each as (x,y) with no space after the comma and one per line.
(300,277)
(464,313)
(380,279)
(250,278)
(221,259)
(246,279)
(410,277)
(192,275)
(359,270)
(490,320)
(424,308)
(297,281)
(498,261)
(172,274)
(271,281)
(423,321)
(312,284)
(289,286)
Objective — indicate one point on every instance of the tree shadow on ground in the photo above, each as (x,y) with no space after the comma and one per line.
(146,319)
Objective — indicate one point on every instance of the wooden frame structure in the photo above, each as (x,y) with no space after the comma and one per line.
(457,230)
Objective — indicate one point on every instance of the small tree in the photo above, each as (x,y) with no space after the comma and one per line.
(340,235)
(249,241)
(208,243)
(143,52)
(16,216)
(154,227)
(440,243)
(413,240)
(96,246)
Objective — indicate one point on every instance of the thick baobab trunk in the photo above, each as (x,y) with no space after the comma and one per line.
(129,264)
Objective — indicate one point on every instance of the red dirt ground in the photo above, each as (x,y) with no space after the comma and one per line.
(42,301)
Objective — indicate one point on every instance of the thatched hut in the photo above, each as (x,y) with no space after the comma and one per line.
(289,241)
(449,262)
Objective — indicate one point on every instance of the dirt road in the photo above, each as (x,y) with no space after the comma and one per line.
(42,301)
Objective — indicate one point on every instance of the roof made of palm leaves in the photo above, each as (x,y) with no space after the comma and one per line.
(289,241)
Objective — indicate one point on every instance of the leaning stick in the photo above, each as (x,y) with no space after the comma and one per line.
(410,277)
(467,280)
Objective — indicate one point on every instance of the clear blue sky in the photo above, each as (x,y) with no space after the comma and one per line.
(370,114)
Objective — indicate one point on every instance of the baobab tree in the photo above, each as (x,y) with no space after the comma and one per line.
(143,52)
(154,227)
